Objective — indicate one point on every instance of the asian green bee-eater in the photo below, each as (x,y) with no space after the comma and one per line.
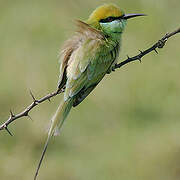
(86,58)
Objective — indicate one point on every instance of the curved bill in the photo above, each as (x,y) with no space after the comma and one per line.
(128,16)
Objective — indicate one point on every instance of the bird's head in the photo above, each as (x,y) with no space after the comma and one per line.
(110,19)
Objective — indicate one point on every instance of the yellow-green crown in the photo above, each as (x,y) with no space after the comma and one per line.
(103,12)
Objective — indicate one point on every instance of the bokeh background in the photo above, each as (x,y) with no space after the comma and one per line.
(128,128)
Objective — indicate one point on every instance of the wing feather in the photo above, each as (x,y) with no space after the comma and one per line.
(85,59)
(89,65)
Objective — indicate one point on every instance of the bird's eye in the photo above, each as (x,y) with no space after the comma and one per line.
(108,19)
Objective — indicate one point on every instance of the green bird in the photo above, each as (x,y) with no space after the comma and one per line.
(86,58)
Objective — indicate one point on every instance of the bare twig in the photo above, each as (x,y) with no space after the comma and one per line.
(25,113)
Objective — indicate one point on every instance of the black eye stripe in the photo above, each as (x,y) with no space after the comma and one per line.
(110,19)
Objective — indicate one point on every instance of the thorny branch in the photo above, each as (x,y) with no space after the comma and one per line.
(159,44)
(25,113)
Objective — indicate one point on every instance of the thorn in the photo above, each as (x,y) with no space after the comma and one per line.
(5,127)
(128,57)
(11,114)
(156,51)
(29,117)
(49,99)
(58,91)
(139,58)
(141,51)
(32,96)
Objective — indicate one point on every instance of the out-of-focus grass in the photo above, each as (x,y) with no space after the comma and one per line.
(128,128)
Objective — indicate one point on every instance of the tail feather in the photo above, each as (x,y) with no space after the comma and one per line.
(56,125)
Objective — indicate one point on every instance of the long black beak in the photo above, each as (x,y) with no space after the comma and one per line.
(128,16)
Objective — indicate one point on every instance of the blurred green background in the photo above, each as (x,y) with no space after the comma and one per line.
(128,128)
